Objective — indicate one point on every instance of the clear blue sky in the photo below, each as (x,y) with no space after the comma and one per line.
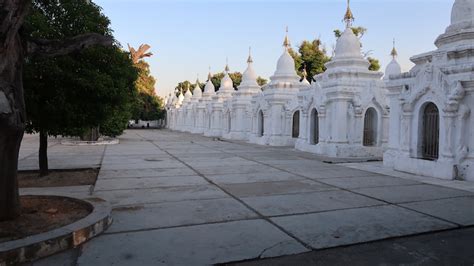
(188,36)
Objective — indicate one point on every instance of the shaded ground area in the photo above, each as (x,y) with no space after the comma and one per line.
(182,199)
(42,214)
(444,248)
(58,178)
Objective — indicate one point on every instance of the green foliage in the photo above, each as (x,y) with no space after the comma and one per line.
(374,64)
(145,82)
(68,95)
(312,56)
(149,107)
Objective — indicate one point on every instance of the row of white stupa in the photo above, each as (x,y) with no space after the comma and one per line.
(419,121)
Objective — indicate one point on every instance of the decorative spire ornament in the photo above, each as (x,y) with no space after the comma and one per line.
(227,65)
(250,60)
(197,82)
(209,76)
(287,43)
(394,52)
(349,16)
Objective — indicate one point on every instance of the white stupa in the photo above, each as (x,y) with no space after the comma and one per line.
(393,68)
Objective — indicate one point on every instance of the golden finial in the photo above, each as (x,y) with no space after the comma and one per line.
(394,52)
(349,17)
(250,60)
(287,43)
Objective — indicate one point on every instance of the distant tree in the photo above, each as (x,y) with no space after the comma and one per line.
(68,95)
(261,81)
(148,106)
(216,81)
(374,64)
(360,32)
(310,56)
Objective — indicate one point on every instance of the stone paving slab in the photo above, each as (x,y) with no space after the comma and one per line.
(275,188)
(179,214)
(253,177)
(405,194)
(308,202)
(367,182)
(233,162)
(193,245)
(218,170)
(150,172)
(143,165)
(452,247)
(136,159)
(158,195)
(336,228)
(148,182)
(458,210)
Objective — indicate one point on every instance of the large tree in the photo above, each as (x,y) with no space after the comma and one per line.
(70,95)
(13,49)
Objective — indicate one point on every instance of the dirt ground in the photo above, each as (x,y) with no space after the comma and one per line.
(56,178)
(42,213)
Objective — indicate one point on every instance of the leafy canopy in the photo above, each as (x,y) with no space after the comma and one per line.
(68,95)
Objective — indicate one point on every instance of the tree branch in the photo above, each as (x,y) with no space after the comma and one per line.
(51,48)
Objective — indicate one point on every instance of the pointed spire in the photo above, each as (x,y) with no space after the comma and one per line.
(227,65)
(394,52)
(305,76)
(287,43)
(209,76)
(198,86)
(349,17)
(250,60)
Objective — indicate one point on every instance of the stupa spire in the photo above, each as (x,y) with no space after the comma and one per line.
(227,69)
(286,42)
(250,59)
(394,52)
(209,76)
(349,16)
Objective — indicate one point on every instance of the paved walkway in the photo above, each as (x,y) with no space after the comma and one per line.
(182,199)
(441,248)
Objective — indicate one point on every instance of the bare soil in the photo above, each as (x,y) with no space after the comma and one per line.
(40,214)
(58,178)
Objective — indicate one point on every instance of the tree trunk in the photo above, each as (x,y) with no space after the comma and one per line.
(43,154)
(12,106)
(10,139)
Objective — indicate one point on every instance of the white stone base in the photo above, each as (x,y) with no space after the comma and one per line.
(236,136)
(439,169)
(341,150)
(281,141)
(213,133)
